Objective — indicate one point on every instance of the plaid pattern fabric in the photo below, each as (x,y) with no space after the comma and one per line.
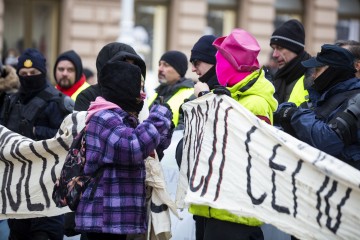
(112,138)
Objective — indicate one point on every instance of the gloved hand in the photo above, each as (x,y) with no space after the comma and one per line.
(284,115)
(221,90)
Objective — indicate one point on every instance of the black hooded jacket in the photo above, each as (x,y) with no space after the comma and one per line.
(114,51)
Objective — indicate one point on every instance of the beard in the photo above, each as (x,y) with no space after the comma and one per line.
(65,83)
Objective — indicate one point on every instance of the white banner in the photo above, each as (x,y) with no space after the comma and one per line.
(232,160)
(29,168)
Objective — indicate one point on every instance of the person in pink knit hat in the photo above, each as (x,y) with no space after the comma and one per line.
(241,78)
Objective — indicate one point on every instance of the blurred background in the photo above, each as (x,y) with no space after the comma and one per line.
(155,26)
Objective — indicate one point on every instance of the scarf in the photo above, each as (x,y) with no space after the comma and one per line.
(288,76)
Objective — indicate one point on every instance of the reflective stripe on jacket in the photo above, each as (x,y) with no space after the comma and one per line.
(175,102)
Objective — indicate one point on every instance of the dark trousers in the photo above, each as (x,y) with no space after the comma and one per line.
(216,229)
(42,228)
(200,224)
(107,236)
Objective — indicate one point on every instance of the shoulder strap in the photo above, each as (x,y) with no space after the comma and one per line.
(334,102)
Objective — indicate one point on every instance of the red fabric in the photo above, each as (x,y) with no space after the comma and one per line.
(74,88)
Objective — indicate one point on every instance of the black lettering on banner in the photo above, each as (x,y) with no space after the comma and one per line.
(293,180)
(41,180)
(222,164)
(213,153)
(4,139)
(200,121)
(196,150)
(278,167)
(30,206)
(15,205)
(327,196)
(256,201)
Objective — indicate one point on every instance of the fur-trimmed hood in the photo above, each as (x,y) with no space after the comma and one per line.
(9,83)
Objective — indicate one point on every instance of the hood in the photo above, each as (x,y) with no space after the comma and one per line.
(9,83)
(116,51)
(98,105)
(73,57)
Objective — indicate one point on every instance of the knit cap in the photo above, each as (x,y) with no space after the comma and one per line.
(204,50)
(73,57)
(32,58)
(177,60)
(290,35)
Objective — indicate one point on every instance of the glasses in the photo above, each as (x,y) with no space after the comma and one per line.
(195,62)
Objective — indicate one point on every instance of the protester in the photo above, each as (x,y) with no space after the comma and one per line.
(122,52)
(90,76)
(331,124)
(237,68)
(354,48)
(68,74)
(288,42)
(174,88)
(203,62)
(118,207)
(35,111)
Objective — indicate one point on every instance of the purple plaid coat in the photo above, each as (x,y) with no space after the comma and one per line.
(112,137)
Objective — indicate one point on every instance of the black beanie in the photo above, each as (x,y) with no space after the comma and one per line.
(73,57)
(120,83)
(204,50)
(32,58)
(177,60)
(290,35)
(121,52)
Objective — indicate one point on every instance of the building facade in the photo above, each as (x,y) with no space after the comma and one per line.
(54,26)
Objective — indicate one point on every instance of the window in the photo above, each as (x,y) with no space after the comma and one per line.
(286,10)
(221,18)
(348,26)
(31,23)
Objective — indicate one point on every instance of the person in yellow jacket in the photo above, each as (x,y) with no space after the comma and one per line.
(241,78)
(288,43)
(174,88)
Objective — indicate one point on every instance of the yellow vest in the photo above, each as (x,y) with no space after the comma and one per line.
(175,102)
(299,94)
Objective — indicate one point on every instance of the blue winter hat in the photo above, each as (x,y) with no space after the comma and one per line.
(32,58)
(204,50)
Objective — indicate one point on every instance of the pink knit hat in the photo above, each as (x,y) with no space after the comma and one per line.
(240,49)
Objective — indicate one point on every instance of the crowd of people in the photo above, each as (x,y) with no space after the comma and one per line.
(314,98)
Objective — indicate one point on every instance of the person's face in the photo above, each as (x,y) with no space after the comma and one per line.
(25,72)
(200,67)
(167,74)
(318,71)
(282,55)
(65,74)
